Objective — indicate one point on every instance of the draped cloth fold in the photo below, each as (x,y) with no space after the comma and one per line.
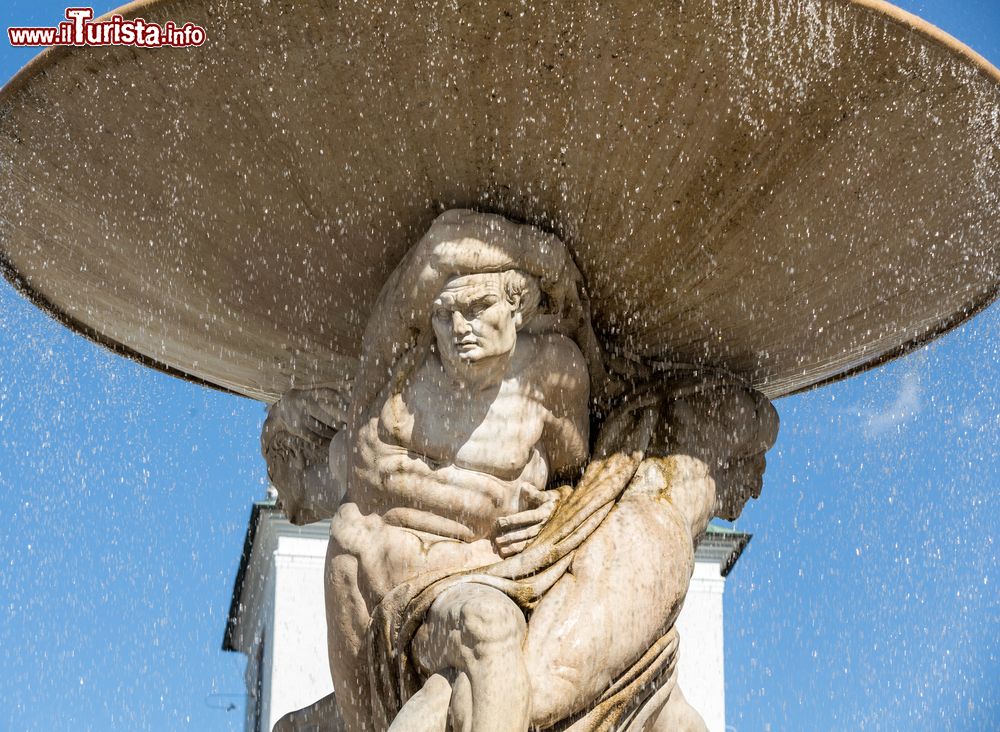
(526,577)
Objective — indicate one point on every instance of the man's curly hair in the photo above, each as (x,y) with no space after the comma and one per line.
(522,290)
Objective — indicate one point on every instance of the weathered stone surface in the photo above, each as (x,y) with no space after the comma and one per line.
(788,190)
(491,567)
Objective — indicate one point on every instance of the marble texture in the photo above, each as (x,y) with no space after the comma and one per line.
(513,527)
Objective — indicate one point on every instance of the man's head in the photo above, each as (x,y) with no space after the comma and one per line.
(287,459)
(476,317)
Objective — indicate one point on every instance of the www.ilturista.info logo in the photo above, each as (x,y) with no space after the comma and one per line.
(80,30)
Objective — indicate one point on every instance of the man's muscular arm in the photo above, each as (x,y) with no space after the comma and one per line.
(565,384)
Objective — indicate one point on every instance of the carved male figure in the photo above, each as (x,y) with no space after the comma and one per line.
(447,477)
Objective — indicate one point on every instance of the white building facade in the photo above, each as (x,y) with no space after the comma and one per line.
(278,619)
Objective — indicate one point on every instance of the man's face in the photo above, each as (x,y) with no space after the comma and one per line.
(473,320)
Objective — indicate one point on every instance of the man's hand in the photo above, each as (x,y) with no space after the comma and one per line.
(515,532)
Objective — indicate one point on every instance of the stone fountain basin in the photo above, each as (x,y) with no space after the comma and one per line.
(792,191)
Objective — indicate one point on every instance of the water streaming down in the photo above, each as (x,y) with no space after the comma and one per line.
(229,288)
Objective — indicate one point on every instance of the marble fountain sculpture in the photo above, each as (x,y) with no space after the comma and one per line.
(518,285)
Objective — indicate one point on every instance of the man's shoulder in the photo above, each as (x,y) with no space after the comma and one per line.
(553,347)
(555,361)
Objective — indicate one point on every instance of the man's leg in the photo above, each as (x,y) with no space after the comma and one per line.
(323,714)
(347,619)
(427,710)
(473,636)
(623,591)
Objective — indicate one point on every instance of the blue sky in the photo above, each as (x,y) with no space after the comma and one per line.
(867,599)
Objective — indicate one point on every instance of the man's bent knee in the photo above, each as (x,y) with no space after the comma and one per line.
(468,618)
(486,616)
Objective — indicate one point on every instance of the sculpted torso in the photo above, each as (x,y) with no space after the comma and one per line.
(436,469)
(451,461)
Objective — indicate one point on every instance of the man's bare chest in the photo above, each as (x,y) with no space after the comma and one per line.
(494,433)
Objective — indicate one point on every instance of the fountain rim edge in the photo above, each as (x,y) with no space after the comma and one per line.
(20,285)
(49,56)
